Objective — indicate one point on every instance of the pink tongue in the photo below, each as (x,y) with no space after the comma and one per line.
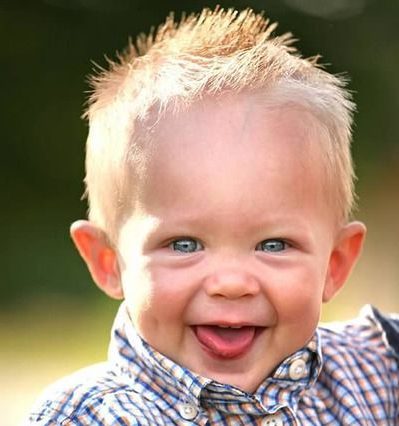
(225,342)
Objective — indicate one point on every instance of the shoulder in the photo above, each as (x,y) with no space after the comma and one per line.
(367,346)
(389,325)
(370,331)
(96,395)
(360,369)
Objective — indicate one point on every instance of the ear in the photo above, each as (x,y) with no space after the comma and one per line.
(346,251)
(99,256)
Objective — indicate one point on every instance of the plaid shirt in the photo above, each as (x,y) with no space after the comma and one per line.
(346,375)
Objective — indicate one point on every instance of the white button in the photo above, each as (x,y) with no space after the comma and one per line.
(188,411)
(297,369)
(273,420)
(312,346)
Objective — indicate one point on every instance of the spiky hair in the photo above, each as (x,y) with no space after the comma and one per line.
(211,53)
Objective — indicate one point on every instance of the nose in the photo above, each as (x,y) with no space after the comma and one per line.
(231,284)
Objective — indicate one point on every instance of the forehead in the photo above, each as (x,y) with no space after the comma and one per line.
(235,142)
(238,123)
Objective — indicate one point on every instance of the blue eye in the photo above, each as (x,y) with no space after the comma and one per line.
(186,245)
(272,246)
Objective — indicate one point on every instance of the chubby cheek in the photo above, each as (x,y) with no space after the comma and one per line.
(157,302)
(298,300)
(173,292)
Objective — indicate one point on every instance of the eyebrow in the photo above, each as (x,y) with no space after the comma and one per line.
(281,224)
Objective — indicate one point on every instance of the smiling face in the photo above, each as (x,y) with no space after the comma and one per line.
(225,258)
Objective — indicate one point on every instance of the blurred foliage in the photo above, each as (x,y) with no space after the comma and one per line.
(47,49)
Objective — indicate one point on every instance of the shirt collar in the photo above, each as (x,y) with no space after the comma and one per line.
(149,368)
(144,364)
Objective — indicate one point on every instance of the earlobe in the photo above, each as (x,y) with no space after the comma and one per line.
(347,249)
(99,257)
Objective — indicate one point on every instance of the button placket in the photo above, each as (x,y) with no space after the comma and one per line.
(273,420)
(188,411)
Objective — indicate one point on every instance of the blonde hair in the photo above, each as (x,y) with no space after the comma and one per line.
(211,53)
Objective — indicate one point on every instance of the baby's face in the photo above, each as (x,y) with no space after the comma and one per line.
(226,256)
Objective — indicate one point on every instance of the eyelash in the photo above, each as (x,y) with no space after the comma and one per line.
(191,245)
(173,245)
(284,245)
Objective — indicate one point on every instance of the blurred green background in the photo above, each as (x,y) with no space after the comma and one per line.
(53,320)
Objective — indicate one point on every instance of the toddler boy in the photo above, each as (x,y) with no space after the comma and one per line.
(220,187)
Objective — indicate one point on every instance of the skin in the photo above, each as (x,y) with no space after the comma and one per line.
(243,188)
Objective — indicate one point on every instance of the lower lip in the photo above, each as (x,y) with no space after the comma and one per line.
(225,355)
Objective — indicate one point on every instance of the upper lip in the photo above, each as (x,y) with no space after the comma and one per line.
(225,323)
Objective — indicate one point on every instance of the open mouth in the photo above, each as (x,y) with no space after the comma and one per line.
(226,342)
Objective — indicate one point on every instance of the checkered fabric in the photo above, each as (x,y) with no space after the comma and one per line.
(346,375)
